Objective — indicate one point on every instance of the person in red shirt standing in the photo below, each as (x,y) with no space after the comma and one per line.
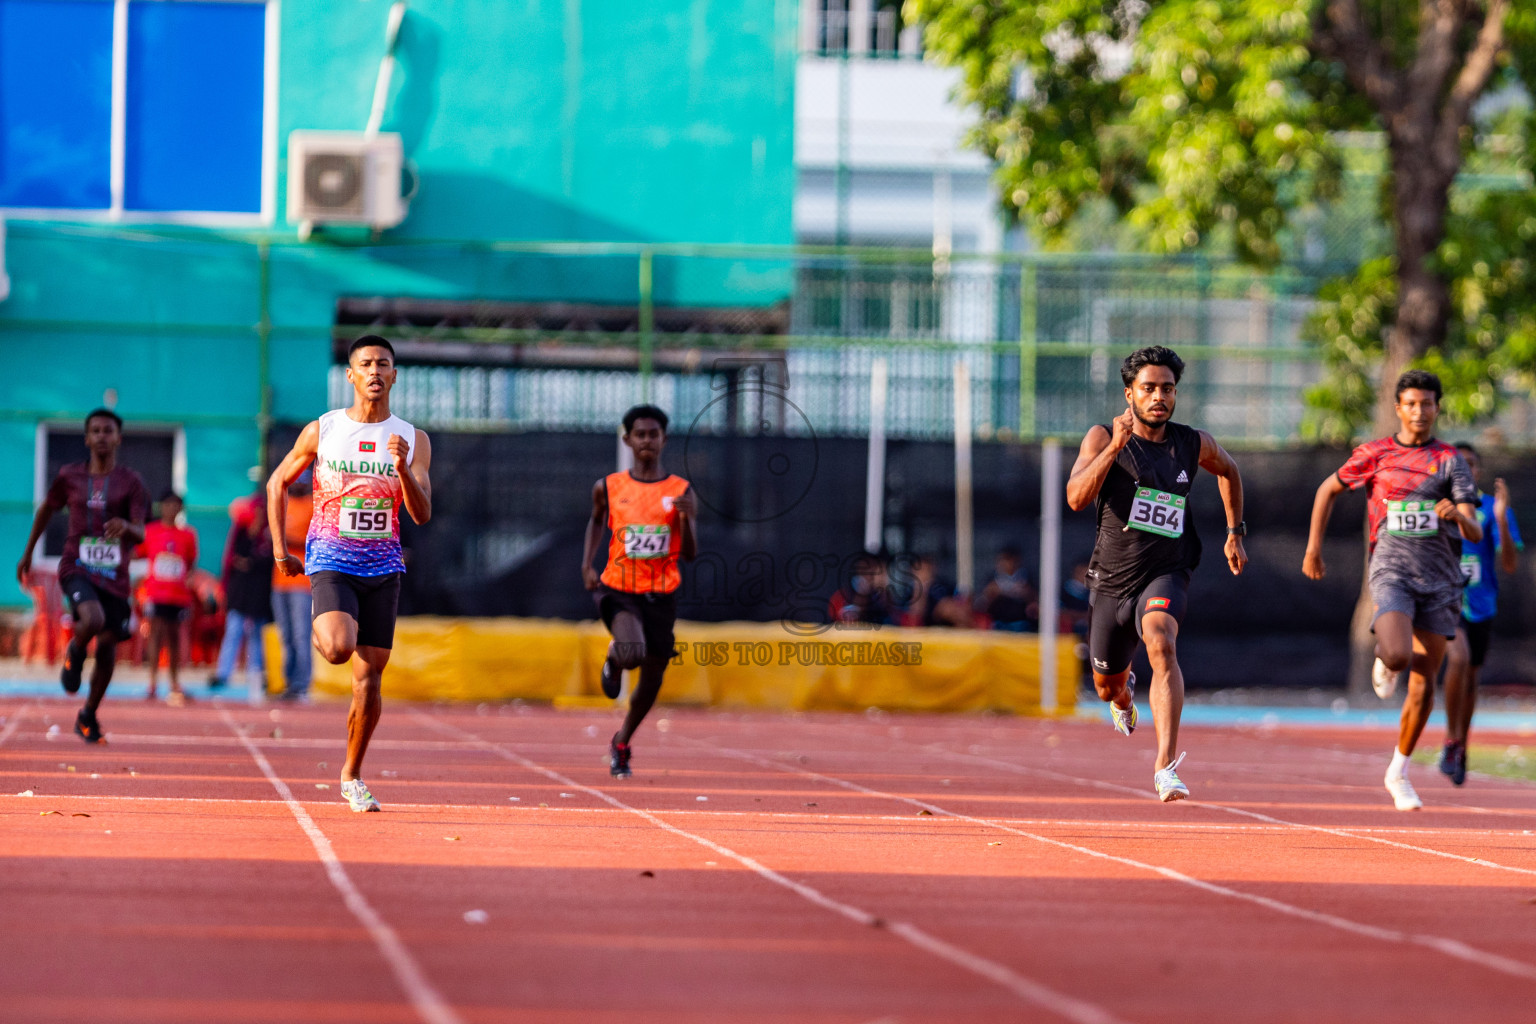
(172,553)
(107,506)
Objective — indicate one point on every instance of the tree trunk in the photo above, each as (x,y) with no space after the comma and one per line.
(1421,200)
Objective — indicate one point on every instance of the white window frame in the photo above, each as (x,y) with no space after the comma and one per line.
(116,214)
(41,481)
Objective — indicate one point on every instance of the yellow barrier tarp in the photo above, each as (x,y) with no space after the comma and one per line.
(721,664)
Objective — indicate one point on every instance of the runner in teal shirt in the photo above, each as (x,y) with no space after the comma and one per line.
(1499,549)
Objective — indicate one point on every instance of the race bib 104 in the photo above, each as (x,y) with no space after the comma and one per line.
(1471,570)
(1412,519)
(367,518)
(642,542)
(1157,512)
(100,553)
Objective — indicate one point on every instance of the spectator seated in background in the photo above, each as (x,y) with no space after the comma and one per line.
(1009,598)
(207,632)
(1074,600)
(865,599)
(932,601)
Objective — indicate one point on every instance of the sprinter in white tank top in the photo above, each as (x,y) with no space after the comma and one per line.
(369,466)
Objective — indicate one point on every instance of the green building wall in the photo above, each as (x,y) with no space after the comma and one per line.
(583,120)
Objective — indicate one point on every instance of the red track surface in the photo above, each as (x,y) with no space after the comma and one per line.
(1045,884)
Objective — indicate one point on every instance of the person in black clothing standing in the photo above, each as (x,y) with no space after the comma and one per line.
(1139,469)
(248,563)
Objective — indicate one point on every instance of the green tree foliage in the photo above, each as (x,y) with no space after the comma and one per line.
(1210,123)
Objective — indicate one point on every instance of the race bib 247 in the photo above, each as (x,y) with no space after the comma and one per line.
(643,542)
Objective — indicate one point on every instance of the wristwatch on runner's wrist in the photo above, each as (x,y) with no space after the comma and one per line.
(1240,530)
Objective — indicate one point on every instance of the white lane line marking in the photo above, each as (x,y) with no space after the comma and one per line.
(1341,832)
(14,724)
(1449,947)
(430,1006)
(1030,991)
(813,817)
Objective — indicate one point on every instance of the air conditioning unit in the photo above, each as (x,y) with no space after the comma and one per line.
(345,178)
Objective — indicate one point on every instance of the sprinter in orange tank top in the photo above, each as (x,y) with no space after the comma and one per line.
(650,513)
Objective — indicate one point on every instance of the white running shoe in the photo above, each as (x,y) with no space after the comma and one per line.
(1168,784)
(358,797)
(1383,680)
(1404,796)
(1124,719)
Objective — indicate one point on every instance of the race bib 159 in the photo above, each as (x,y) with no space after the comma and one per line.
(1157,512)
(642,542)
(100,553)
(367,518)
(1412,519)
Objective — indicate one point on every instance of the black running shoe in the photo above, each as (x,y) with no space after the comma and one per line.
(612,677)
(87,728)
(69,675)
(1453,763)
(618,758)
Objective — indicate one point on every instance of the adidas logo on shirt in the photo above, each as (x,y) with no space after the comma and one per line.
(1183,478)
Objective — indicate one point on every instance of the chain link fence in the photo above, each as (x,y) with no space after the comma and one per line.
(1041,338)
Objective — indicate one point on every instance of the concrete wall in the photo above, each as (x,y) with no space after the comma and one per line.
(670,121)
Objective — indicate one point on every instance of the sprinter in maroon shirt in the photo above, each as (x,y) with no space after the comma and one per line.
(107,506)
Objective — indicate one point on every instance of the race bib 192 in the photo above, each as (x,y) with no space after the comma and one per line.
(1471,570)
(1412,519)
(641,542)
(1157,512)
(367,518)
(100,553)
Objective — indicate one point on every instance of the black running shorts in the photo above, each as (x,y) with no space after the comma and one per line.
(78,590)
(372,601)
(1114,624)
(657,614)
(175,614)
(1479,635)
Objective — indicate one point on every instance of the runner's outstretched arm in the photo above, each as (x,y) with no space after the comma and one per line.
(415,479)
(1322,507)
(1215,460)
(687,507)
(287,471)
(1463,515)
(1095,458)
(45,512)
(595,526)
(1509,551)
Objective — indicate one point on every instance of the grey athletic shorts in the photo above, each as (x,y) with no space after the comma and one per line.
(1437,611)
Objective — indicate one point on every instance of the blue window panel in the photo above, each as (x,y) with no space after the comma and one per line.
(195,74)
(56,104)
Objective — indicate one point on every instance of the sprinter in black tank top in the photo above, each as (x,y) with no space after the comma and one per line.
(1139,470)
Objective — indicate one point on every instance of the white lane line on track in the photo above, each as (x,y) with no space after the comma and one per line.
(1450,947)
(812,817)
(1228,808)
(1030,991)
(15,723)
(429,1005)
